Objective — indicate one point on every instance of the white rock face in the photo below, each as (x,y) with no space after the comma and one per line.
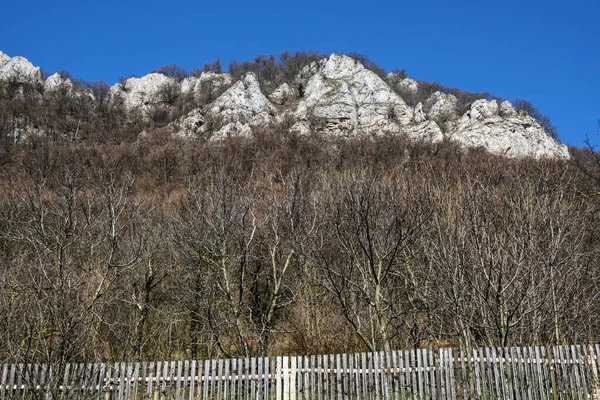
(425,131)
(56,82)
(419,114)
(508,134)
(507,110)
(190,125)
(409,85)
(283,94)
(18,68)
(142,94)
(206,85)
(344,98)
(243,103)
(442,106)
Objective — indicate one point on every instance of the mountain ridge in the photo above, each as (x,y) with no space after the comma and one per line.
(336,95)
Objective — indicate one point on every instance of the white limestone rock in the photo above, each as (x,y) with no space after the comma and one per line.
(427,131)
(502,132)
(408,85)
(190,125)
(344,98)
(208,84)
(283,94)
(442,106)
(244,103)
(19,69)
(4,58)
(419,114)
(56,82)
(143,94)
(507,110)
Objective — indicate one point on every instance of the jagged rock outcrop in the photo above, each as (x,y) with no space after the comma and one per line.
(56,82)
(207,86)
(190,125)
(283,94)
(501,130)
(442,106)
(241,106)
(18,69)
(344,98)
(408,85)
(144,94)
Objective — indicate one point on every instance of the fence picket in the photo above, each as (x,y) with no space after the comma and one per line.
(344,375)
(3,384)
(545,371)
(292,378)
(307,376)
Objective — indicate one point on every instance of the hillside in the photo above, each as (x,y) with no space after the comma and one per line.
(307,206)
(303,93)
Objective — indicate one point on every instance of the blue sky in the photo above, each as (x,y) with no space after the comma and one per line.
(547,52)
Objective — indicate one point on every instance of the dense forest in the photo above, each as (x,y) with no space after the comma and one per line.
(119,246)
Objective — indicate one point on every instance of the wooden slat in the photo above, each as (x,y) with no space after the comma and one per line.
(483,376)
(514,374)
(540,372)
(127,381)
(451,371)
(44,382)
(149,374)
(429,373)
(278,377)
(338,376)
(413,374)
(545,371)
(177,376)
(477,376)
(326,389)
(299,378)
(345,384)
(267,379)
(498,384)
(3,382)
(307,379)
(219,382)
(584,371)
(364,368)
(331,375)
(90,379)
(292,377)
(238,384)
(375,374)
(417,363)
(199,380)
(395,376)
(527,368)
(403,373)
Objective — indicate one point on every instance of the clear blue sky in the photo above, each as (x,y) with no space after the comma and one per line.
(547,52)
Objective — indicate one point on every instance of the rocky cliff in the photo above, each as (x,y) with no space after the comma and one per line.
(336,96)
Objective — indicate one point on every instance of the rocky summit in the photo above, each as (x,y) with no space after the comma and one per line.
(336,96)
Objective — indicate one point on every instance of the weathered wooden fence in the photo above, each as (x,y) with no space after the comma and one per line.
(562,372)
